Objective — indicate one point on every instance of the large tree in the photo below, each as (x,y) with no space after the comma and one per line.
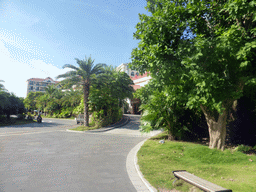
(82,76)
(204,51)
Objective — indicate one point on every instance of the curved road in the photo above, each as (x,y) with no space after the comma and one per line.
(45,157)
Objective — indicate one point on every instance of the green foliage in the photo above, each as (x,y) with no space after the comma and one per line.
(82,77)
(243,148)
(80,108)
(31,100)
(10,104)
(108,93)
(162,109)
(98,118)
(202,51)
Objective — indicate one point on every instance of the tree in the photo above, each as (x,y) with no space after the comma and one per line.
(109,92)
(84,76)
(1,85)
(4,101)
(70,101)
(12,104)
(31,100)
(203,51)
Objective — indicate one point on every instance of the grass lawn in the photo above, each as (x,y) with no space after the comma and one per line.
(15,121)
(84,128)
(229,169)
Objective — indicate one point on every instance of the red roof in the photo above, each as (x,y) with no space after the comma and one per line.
(41,80)
(139,76)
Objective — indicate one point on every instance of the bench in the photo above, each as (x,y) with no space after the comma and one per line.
(198,182)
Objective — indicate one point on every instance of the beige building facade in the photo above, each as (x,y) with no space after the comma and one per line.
(125,68)
(38,84)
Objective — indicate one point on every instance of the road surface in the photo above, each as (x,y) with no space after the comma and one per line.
(45,157)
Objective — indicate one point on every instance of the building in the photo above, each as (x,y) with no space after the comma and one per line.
(139,80)
(37,84)
(125,68)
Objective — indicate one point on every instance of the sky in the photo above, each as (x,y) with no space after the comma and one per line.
(38,37)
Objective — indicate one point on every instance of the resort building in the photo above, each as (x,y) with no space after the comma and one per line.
(125,68)
(37,84)
(139,80)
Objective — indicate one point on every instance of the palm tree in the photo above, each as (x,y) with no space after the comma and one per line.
(83,76)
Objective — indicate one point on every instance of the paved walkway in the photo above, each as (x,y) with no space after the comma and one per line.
(133,170)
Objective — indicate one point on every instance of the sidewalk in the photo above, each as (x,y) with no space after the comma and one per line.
(132,129)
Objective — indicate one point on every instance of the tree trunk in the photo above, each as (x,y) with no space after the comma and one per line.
(86,113)
(217,128)
(171,137)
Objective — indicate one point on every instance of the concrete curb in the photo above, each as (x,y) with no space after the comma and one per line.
(133,170)
(116,125)
(104,129)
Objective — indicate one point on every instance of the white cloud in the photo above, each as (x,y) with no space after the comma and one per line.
(16,73)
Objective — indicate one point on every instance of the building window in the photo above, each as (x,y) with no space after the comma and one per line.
(137,74)
(37,88)
(132,73)
(31,82)
(31,88)
(37,84)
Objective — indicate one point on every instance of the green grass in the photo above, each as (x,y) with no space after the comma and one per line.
(229,169)
(84,128)
(15,121)
(50,117)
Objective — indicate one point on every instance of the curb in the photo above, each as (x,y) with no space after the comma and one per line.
(104,129)
(135,175)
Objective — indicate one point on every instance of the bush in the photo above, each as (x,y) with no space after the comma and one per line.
(2,119)
(98,118)
(243,148)
(112,116)
(21,116)
(65,112)
(29,116)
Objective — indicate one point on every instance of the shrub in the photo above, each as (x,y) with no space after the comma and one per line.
(243,148)
(2,119)
(112,116)
(98,118)
(21,116)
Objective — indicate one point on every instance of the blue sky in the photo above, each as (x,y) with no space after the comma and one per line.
(38,37)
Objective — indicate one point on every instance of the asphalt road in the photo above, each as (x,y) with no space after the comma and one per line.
(45,157)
